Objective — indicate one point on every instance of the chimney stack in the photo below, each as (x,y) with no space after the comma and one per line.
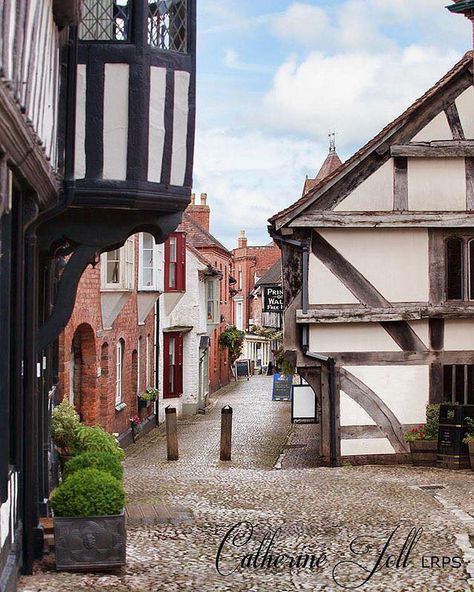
(242,240)
(200,213)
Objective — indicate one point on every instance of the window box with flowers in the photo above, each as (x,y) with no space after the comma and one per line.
(147,397)
(423,439)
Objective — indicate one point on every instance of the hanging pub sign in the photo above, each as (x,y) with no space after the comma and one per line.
(282,387)
(272,299)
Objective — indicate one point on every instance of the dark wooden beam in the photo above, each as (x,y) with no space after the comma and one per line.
(436,383)
(319,219)
(457,149)
(436,265)
(404,336)
(436,326)
(400,184)
(454,121)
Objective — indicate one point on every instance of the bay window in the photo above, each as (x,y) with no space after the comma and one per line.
(150,264)
(168,24)
(212,301)
(117,267)
(105,20)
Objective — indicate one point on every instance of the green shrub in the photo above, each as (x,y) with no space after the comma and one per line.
(64,426)
(233,340)
(432,421)
(88,492)
(469,435)
(103,461)
(95,439)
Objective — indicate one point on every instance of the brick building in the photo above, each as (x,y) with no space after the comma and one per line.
(196,224)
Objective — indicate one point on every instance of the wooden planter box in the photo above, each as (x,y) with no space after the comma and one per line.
(91,543)
(471,454)
(424,453)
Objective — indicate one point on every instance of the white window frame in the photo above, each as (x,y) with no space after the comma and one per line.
(212,301)
(126,260)
(240,278)
(119,355)
(157,263)
(239,306)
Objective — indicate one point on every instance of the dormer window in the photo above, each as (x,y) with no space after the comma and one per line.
(167,25)
(105,20)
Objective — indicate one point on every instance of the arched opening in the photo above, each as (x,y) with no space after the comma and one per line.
(83,380)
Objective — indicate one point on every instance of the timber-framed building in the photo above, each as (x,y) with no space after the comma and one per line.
(97,102)
(378,276)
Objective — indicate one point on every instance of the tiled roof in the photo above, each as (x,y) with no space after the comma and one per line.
(198,236)
(273,275)
(308,197)
(331,163)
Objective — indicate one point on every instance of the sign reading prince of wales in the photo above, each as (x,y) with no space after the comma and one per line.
(272,299)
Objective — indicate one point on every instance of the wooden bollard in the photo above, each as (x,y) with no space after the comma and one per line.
(171,433)
(226,432)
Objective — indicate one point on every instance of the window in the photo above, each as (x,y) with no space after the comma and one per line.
(175,263)
(459,268)
(150,266)
(212,301)
(172,365)
(167,25)
(239,315)
(458,384)
(119,372)
(105,20)
(240,278)
(117,267)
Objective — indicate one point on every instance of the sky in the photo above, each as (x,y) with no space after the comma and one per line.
(274,76)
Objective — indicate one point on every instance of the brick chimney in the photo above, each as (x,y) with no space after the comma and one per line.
(200,213)
(242,240)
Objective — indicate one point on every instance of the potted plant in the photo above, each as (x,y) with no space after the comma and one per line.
(89,520)
(65,423)
(148,396)
(136,425)
(469,439)
(423,439)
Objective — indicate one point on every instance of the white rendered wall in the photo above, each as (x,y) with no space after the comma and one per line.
(465,105)
(366,446)
(352,414)
(459,335)
(116,84)
(180,127)
(422,329)
(350,337)
(325,287)
(437,129)
(394,261)
(375,194)
(436,184)
(156,132)
(80,145)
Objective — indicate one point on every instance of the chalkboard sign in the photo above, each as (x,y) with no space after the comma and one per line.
(242,369)
(282,387)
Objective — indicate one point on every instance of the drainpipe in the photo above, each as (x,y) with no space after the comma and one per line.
(331,366)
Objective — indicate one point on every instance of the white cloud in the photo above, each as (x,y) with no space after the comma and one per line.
(249,176)
(233,61)
(356,93)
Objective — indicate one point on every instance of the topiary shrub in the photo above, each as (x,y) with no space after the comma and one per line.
(88,492)
(103,461)
(95,439)
(65,423)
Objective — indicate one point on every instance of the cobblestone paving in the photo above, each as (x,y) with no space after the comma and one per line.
(318,510)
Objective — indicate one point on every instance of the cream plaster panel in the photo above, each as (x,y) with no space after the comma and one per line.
(80,143)
(436,184)
(422,329)
(325,287)
(157,123)
(437,129)
(363,446)
(180,127)
(459,335)
(350,337)
(352,414)
(404,389)
(395,261)
(465,105)
(116,121)
(375,194)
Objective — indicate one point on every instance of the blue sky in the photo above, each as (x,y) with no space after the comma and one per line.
(275,75)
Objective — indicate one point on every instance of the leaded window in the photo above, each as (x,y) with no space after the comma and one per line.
(458,384)
(105,20)
(167,25)
(459,268)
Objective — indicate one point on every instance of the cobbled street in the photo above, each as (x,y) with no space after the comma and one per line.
(319,510)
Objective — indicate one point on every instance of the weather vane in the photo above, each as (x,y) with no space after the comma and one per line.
(332,141)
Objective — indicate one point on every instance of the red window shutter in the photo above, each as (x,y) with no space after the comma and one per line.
(181,257)
(166,365)
(179,365)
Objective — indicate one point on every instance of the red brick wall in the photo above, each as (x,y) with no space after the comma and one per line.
(98,389)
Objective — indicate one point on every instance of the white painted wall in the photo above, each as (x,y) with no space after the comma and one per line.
(352,414)
(465,105)
(436,184)
(422,329)
(80,145)
(116,85)
(180,127)
(157,123)
(459,335)
(366,446)
(350,337)
(395,261)
(375,194)
(437,129)
(325,287)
